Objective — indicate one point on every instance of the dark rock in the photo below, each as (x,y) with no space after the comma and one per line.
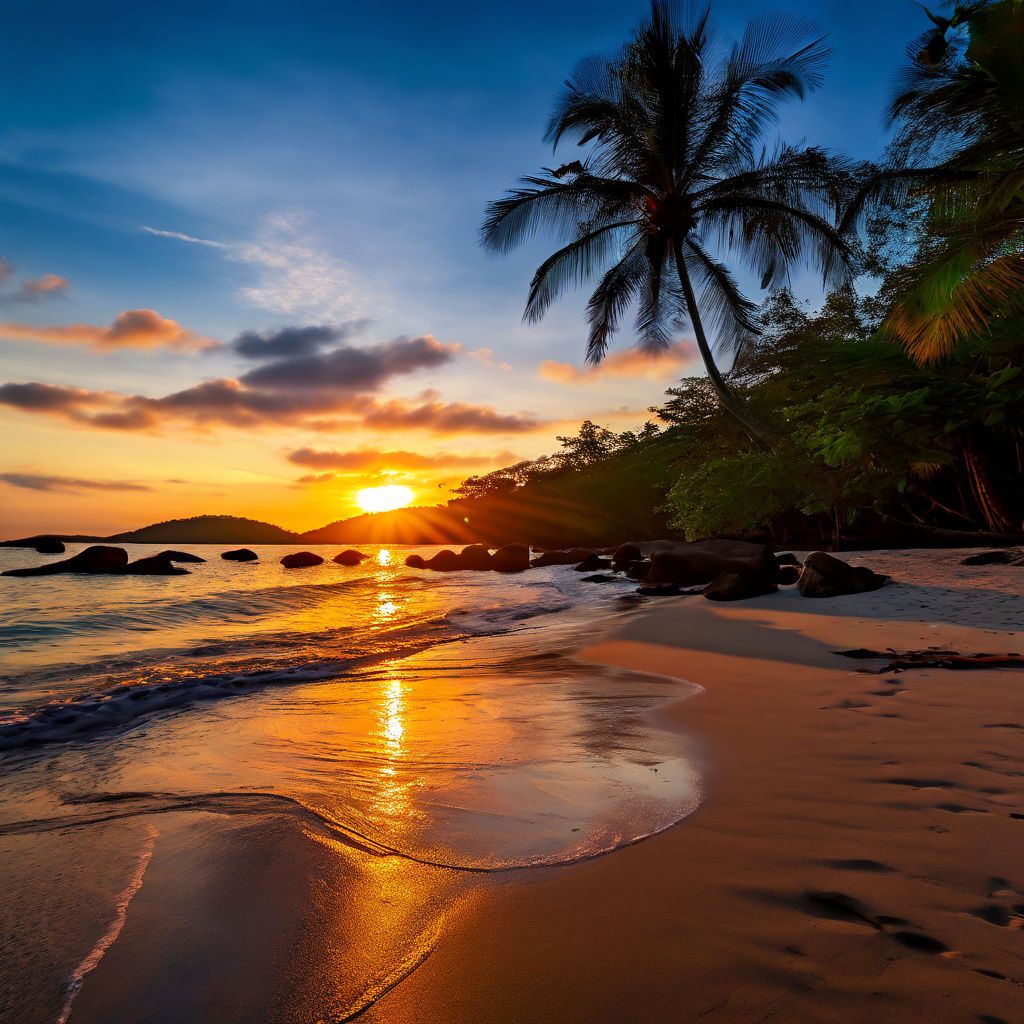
(787,558)
(999,557)
(415,562)
(240,555)
(824,575)
(154,565)
(626,554)
(600,578)
(95,560)
(444,561)
(634,551)
(639,569)
(554,558)
(660,590)
(789,574)
(179,556)
(703,561)
(593,563)
(301,560)
(511,558)
(350,557)
(50,546)
(580,554)
(738,586)
(476,557)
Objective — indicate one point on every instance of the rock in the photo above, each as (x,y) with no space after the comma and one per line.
(738,586)
(240,555)
(787,558)
(301,560)
(824,575)
(625,554)
(444,561)
(179,556)
(554,558)
(634,551)
(154,565)
(639,569)
(476,557)
(415,562)
(95,560)
(703,561)
(600,578)
(789,574)
(593,563)
(511,558)
(351,557)
(999,557)
(660,590)
(50,546)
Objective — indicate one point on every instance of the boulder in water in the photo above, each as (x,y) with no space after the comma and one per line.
(240,555)
(350,557)
(96,560)
(1001,556)
(475,556)
(50,546)
(444,561)
(789,574)
(179,556)
(511,558)
(554,558)
(154,565)
(301,560)
(824,575)
(593,563)
(415,562)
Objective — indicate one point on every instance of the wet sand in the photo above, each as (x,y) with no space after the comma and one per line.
(859,855)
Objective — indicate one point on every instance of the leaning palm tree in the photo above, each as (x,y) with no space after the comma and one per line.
(674,182)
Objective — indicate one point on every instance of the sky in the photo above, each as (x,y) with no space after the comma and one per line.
(240,271)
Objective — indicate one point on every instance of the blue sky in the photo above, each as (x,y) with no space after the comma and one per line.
(338,157)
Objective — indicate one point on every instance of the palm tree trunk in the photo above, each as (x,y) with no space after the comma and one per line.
(758,431)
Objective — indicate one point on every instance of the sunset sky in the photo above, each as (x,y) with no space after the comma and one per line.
(240,271)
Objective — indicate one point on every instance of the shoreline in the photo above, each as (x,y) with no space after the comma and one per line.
(856,855)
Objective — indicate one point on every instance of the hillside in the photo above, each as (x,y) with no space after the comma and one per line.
(208,530)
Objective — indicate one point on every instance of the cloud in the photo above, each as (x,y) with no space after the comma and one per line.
(626,365)
(487,357)
(66,484)
(47,286)
(373,459)
(229,402)
(181,237)
(135,328)
(353,369)
(294,341)
(447,418)
(295,275)
(6,270)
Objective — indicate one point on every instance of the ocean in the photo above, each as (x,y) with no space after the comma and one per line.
(254,793)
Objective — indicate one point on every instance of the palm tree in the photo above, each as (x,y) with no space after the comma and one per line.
(959,154)
(675,182)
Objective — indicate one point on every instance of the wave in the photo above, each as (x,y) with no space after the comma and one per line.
(120,806)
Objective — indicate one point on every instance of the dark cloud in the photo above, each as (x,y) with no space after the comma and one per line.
(353,369)
(447,418)
(35,397)
(64,484)
(370,458)
(293,342)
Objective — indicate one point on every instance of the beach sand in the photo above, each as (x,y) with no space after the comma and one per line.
(858,856)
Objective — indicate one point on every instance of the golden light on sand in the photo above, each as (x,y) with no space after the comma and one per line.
(384,499)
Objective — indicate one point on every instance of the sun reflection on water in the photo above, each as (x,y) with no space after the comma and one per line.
(383,557)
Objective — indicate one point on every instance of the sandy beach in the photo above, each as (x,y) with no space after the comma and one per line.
(858,853)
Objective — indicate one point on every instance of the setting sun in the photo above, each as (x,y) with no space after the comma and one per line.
(384,499)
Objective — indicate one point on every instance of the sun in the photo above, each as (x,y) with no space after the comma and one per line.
(384,499)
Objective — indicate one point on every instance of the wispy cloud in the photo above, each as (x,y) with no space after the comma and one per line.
(295,274)
(67,484)
(365,459)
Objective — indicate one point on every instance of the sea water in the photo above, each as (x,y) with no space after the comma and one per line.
(254,793)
